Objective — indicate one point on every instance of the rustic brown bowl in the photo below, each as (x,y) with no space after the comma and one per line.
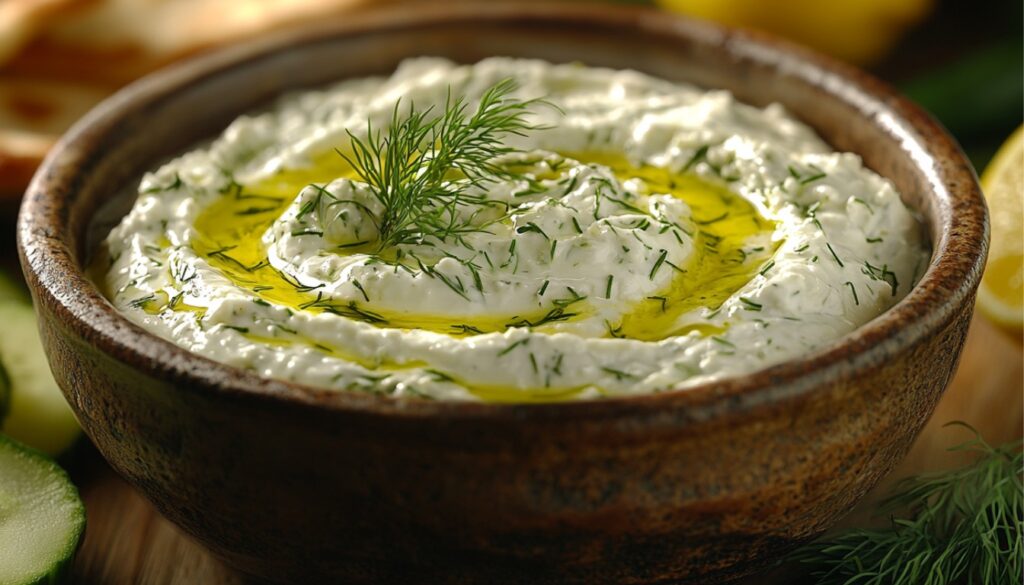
(697,486)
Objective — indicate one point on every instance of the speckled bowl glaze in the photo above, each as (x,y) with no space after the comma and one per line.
(698,486)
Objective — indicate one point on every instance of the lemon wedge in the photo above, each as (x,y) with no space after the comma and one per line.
(1001,295)
(861,32)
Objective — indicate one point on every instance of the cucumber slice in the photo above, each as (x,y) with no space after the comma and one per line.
(41,517)
(37,413)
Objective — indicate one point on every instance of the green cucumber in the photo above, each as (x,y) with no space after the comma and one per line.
(41,517)
(37,413)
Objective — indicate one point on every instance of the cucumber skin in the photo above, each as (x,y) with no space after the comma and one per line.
(61,573)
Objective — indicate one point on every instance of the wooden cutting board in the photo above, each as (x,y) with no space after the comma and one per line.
(128,543)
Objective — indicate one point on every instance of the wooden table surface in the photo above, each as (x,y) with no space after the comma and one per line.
(128,543)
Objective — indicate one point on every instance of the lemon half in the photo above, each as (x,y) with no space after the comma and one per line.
(1001,295)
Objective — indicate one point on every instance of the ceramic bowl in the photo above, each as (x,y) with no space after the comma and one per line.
(701,485)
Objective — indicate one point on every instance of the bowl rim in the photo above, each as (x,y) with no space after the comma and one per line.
(950,281)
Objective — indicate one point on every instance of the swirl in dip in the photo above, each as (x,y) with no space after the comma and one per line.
(648,236)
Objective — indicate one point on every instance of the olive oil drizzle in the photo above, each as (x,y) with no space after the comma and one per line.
(229,235)
(723,263)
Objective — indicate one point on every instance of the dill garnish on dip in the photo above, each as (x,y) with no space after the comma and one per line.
(512,231)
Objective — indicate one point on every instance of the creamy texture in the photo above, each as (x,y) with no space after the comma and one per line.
(653,236)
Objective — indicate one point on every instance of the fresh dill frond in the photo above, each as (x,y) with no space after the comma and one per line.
(962,526)
(409,166)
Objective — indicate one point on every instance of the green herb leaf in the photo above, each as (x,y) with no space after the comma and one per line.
(407,168)
(961,526)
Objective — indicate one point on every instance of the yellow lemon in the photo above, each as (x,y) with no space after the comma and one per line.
(858,31)
(1001,296)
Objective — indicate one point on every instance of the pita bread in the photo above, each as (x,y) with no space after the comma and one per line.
(22,20)
(20,154)
(58,58)
(170,27)
(33,114)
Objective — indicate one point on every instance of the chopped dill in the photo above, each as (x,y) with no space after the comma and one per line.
(750,305)
(615,332)
(531,227)
(513,345)
(864,203)
(141,302)
(698,156)
(576,225)
(883,274)
(853,289)
(716,219)
(658,263)
(662,300)
(256,210)
(834,255)
(359,286)
(464,329)
(438,375)
(619,374)
(352,244)
(307,232)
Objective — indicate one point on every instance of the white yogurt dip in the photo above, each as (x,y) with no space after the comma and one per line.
(649,237)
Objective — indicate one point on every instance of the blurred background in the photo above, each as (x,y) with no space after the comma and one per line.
(961,60)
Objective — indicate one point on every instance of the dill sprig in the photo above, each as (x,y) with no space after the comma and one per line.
(963,526)
(407,167)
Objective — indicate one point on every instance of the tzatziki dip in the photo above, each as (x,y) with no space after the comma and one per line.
(512,231)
